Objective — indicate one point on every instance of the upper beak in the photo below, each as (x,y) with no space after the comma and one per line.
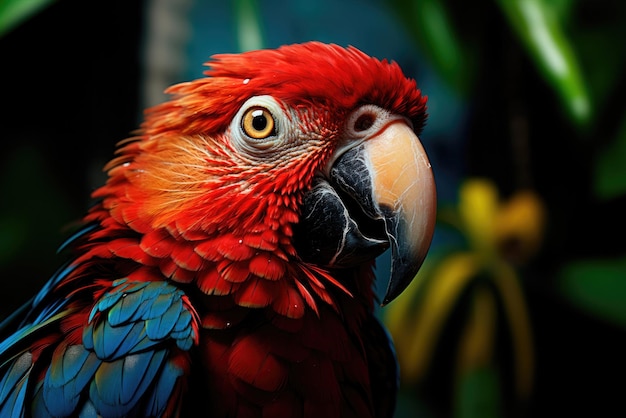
(377,194)
(403,189)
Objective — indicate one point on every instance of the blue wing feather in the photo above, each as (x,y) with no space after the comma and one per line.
(124,365)
(160,304)
(163,325)
(17,371)
(119,385)
(47,289)
(22,320)
(77,235)
(164,387)
(14,406)
(66,379)
(13,387)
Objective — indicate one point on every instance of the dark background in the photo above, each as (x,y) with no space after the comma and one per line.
(70,91)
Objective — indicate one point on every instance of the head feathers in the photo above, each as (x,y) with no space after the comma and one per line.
(301,74)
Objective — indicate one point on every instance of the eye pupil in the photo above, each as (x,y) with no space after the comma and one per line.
(259,121)
(364,122)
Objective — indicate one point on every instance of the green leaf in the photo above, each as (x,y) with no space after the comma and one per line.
(538,26)
(14,12)
(597,286)
(610,171)
(429,23)
(248,23)
(478,395)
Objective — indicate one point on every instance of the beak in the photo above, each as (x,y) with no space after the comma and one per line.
(403,189)
(377,194)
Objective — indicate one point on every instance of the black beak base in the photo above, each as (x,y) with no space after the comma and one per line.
(342,225)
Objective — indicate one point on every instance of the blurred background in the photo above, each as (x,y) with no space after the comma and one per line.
(520,309)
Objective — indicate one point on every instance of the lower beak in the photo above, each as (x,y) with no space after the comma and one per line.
(379,194)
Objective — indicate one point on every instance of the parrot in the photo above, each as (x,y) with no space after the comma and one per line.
(227,265)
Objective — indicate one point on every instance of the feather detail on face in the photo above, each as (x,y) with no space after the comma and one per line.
(216,180)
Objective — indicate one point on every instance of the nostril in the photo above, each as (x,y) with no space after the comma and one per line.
(364,122)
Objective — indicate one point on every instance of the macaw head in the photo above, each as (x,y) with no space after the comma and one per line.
(278,168)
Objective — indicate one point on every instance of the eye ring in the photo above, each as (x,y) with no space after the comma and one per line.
(364,121)
(258,123)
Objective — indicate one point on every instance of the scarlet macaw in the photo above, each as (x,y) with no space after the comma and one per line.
(226,269)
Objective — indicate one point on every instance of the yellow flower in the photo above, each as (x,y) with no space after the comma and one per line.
(498,234)
(519,226)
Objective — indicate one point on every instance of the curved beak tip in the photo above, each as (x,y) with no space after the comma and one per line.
(377,195)
(404,188)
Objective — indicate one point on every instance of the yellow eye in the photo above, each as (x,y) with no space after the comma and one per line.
(258,123)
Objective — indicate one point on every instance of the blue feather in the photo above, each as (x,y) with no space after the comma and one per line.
(22,333)
(16,371)
(89,410)
(184,321)
(108,339)
(164,386)
(158,306)
(161,326)
(78,234)
(58,276)
(15,403)
(161,302)
(13,387)
(67,377)
(126,308)
(119,385)
(139,372)
(121,368)
(22,319)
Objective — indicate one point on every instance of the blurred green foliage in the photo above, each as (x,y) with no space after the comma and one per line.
(12,12)
(249,32)
(576,48)
(539,26)
(597,286)
(609,169)
(429,23)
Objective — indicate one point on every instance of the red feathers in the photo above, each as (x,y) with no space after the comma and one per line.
(311,74)
(197,212)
